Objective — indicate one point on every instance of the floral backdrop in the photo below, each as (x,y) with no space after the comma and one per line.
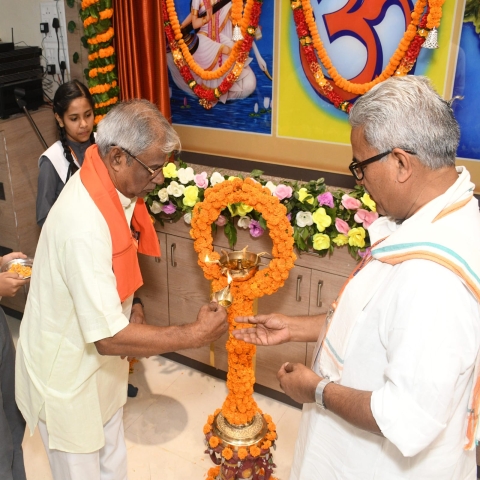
(322,218)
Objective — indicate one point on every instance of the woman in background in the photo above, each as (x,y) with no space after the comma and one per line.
(73,108)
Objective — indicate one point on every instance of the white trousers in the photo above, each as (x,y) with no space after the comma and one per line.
(108,463)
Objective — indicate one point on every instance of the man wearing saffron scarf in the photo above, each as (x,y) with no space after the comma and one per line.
(71,375)
(393,392)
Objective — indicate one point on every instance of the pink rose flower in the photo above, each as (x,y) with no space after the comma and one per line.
(221,221)
(365,217)
(255,229)
(351,203)
(283,191)
(201,180)
(169,208)
(342,226)
(325,199)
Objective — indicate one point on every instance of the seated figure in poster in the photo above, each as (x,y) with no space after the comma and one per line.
(214,37)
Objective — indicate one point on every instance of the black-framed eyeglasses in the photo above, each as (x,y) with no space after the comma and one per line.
(152,172)
(357,167)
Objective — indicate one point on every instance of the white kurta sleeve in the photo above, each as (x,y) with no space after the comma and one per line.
(431,336)
(92,285)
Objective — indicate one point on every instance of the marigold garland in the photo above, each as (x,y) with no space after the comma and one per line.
(239,407)
(400,63)
(102,77)
(209,96)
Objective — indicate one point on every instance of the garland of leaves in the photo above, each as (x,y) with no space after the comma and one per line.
(102,76)
(209,96)
(400,63)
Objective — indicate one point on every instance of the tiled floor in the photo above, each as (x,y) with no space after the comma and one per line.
(163,424)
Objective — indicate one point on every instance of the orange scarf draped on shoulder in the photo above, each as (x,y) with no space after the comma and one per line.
(95,178)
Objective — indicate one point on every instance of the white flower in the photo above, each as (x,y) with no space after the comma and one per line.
(304,219)
(187,218)
(175,189)
(156,207)
(216,178)
(271,186)
(185,175)
(163,195)
(244,222)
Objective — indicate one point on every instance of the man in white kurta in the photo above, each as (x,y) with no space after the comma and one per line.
(71,379)
(59,370)
(390,394)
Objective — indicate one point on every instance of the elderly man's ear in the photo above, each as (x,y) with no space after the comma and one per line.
(115,158)
(404,165)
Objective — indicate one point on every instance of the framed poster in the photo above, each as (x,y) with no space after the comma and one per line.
(247,107)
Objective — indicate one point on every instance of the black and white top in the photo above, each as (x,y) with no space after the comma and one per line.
(53,174)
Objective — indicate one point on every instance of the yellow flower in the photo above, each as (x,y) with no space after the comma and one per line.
(322,220)
(356,237)
(190,196)
(170,170)
(367,200)
(340,240)
(239,209)
(303,194)
(231,177)
(321,241)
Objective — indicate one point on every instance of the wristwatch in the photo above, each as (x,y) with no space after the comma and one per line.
(137,300)
(319,392)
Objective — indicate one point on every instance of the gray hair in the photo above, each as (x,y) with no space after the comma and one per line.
(406,112)
(136,125)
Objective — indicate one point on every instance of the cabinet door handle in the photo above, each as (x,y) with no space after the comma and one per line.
(319,293)
(157,259)
(172,255)
(298,298)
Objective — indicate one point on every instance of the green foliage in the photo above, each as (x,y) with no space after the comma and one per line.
(472,13)
(70,3)
(329,208)
(75,57)
(71,26)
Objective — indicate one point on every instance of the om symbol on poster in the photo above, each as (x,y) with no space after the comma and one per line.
(359,36)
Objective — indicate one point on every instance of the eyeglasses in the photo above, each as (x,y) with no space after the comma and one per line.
(357,167)
(152,172)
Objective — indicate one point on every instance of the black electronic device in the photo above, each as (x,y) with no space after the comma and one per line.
(20,68)
(6,46)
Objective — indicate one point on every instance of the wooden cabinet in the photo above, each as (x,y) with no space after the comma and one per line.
(154,293)
(313,284)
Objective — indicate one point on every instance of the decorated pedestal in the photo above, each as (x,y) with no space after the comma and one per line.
(239,437)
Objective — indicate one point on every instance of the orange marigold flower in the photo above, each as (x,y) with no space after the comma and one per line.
(214,441)
(242,453)
(266,445)
(254,451)
(227,453)
(207,428)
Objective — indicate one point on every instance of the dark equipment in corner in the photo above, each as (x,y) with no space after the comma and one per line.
(20,68)
(22,104)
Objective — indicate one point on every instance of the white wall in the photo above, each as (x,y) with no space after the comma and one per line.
(24,17)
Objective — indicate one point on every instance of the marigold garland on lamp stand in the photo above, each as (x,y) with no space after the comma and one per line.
(102,77)
(240,409)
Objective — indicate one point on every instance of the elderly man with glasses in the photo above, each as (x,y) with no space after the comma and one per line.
(394,391)
(71,369)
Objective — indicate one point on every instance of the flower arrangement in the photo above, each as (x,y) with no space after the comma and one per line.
(97,16)
(237,58)
(400,63)
(322,220)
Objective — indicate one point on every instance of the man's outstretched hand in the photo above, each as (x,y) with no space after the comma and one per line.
(271,329)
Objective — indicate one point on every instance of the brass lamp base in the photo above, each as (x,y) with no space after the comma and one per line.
(240,435)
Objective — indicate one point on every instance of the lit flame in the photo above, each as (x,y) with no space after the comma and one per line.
(207,260)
